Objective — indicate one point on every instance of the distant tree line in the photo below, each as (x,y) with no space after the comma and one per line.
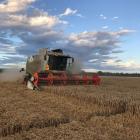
(101,73)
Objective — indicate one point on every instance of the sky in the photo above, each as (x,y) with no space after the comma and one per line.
(102,34)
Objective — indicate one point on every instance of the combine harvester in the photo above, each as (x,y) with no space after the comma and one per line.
(55,68)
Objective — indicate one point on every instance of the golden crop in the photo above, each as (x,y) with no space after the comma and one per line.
(107,112)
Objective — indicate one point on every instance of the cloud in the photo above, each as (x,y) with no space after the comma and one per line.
(117,51)
(25,21)
(40,39)
(97,39)
(80,15)
(96,49)
(115,18)
(12,6)
(7,48)
(20,24)
(49,21)
(105,27)
(122,65)
(103,17)
(17,65)
(68,11)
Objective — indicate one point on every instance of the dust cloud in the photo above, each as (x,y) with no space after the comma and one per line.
(10,75)
(76,67)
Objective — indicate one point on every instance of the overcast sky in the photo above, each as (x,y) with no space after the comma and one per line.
(102,34)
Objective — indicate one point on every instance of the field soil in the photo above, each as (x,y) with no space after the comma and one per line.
(110,111)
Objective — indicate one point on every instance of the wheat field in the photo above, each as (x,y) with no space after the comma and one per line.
(110,111)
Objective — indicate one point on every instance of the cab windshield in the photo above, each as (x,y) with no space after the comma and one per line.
(57,62)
